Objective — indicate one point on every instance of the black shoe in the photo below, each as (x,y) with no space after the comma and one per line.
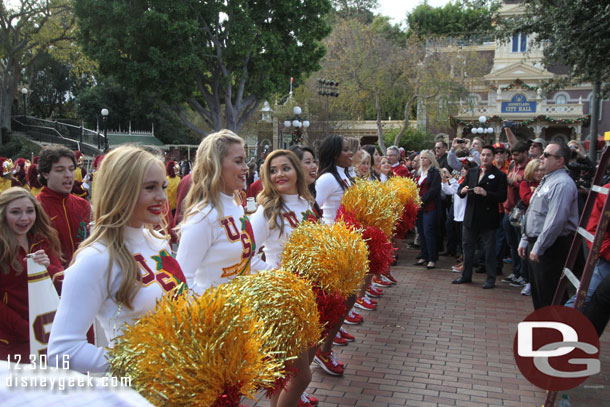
(421,262)
(412,246)
(488,284)
(480,270)
(461,280)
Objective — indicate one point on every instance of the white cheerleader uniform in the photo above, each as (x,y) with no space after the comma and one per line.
(296,210)
(329,194)
(85,296)
(213,249)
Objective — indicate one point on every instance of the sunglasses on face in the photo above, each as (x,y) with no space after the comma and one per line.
(547,155)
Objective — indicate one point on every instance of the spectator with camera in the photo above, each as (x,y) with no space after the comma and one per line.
(485,188)
(463,144)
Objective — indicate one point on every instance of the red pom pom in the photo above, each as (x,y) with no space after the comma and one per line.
(381,252)
(348,217)
(230,398)
(331,307)
(280,383)
(407,221)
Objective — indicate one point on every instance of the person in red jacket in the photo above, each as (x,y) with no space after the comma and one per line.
(24,229)
(69,214)
(393,154)
(183,189)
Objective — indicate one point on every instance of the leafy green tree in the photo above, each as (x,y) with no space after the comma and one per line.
(28,30)
(458,19)
(361,10)
(51,88)
(413,140)
(220,58)
(125,108)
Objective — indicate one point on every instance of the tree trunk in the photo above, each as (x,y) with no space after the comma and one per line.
(8,90)
(405,124)
(379,126)
(594,110)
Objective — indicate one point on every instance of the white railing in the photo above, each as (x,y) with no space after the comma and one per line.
(572,109)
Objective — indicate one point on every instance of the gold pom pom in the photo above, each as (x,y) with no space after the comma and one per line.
(335,257)
(373,204)
(190,351)
(406,190)
(287,306)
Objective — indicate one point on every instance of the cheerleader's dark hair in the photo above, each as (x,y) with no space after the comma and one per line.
(330,149)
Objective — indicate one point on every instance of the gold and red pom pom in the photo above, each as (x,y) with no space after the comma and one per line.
(334,257)
(372,203)
(195,351)
(286,305)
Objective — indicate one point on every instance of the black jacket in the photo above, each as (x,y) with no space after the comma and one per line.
(483,212)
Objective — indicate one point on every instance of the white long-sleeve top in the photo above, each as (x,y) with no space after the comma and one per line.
(296,209)
(459,203)
(329,194)
(215,249)
(86,297)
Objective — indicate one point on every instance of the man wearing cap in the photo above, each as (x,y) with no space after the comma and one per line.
(537,147)
(550,222)
(501,158)
(485,188)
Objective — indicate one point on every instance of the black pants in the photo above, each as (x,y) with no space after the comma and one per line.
(545,274)
(488,239)
(598,310)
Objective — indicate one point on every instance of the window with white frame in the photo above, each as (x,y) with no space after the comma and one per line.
(520,42)
(561,99)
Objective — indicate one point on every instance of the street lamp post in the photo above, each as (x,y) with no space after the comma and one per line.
(482,130)
(298,124)
(105,119)
(24,92)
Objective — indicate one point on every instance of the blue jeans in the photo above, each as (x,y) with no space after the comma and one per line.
(427,229)
(601,271)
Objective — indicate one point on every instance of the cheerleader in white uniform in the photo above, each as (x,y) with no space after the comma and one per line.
(284,202)
(124,267)
(333,181)
(217,243)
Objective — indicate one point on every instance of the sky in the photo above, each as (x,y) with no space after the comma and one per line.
(397,9)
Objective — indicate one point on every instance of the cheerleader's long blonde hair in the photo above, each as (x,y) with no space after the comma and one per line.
(41,229)
(207,172)
(270,199)
(119,183)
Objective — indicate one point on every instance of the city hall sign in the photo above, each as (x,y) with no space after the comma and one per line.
(519,104)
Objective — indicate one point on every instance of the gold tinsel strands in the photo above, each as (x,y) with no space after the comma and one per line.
(334,257)
(190,350)
(286,305)
(406,190)
(373,204)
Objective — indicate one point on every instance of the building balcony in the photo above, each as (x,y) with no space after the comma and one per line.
(572,110)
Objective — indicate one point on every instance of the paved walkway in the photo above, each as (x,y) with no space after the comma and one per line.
(433,344)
